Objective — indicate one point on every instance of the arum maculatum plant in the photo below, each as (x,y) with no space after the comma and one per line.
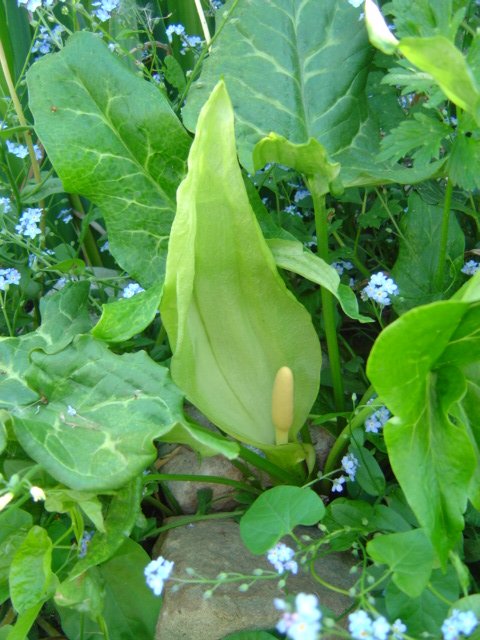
(237,334)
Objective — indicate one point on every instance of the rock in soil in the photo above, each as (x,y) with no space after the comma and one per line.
(214,546)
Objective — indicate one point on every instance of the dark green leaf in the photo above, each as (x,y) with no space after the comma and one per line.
(408,555)
(309,81)
(122,403)
(427,612)
(64,314)
(114,139)
(276,513)
(420,137)
(417,263)
(31,571)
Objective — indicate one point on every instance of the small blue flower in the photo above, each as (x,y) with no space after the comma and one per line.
(337,484)
(5,203)
(84,542)
(132,289)
(470,268)
(156,572)
(379,288)
(178,29)
(350,465)
(301,195)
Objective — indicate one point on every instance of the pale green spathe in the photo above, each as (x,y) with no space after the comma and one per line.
(230,319)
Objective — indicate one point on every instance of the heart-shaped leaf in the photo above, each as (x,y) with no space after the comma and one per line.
(276,513)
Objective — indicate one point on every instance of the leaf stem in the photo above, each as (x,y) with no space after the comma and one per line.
(442,251)
(328,303)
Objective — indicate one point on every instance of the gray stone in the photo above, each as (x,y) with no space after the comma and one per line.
(322,441)
(214,546)
(185,492)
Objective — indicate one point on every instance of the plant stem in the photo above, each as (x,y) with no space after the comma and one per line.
(442,252)
(343,439)
(328,303)
(23,123)
(89,246)
(5,314)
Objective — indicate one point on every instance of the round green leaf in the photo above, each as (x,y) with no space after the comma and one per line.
(31,570)
(276,513)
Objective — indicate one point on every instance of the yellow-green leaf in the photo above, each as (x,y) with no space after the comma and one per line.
(230,319)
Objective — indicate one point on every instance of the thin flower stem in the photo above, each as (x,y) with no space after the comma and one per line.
(392,219)
(329,586)
(328,304)
(3,298)
(442,250)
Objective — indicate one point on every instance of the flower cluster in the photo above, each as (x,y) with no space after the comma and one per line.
(156,572)
(301,195)
(341,265)
(46,39)
(350,466)
(361,627)
(188,42)
(8,276)
(281,557)
(303,623)
(292,209)
(377,420)
(84,542)
(178,29)
(132,289)
(5,203)
(379,288)
(33,5)
(27,225)
(104,8)
(459,622)
(21,151)
(65,215)
(470,268)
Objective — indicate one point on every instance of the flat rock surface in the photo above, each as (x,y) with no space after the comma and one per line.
(214,546)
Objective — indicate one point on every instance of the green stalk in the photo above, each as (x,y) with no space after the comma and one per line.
(342,440)
(442,252)
(23,123)
(328,302)
(89,246)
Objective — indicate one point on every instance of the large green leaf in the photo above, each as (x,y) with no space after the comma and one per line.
(64,315)
(425,366)
(231,321)
(417,263)
(299,68)
(113,138)
(122,403)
